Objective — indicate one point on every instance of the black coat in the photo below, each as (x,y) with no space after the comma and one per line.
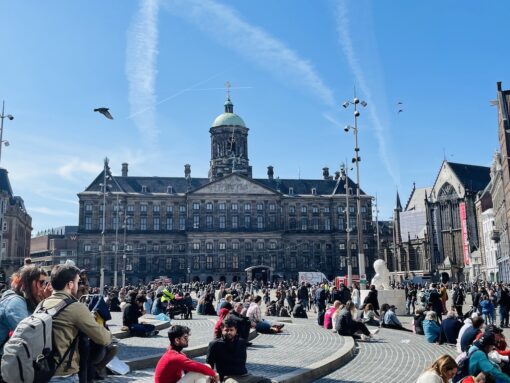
(372,298)
(345,324)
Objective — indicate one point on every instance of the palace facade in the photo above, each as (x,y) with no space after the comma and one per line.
(228,226)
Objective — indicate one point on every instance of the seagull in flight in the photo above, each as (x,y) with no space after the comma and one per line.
(105,112)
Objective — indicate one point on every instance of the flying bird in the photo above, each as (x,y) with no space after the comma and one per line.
(400,110)
(105,112)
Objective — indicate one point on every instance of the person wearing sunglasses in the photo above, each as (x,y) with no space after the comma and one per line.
(29,286)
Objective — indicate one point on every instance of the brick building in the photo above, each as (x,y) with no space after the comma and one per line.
(16,227)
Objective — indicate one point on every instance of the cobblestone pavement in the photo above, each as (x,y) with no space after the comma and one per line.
(394,357)
(134,347)
(301,344)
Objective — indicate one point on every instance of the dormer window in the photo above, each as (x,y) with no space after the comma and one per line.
(170,190)
(144,189)
(291,191)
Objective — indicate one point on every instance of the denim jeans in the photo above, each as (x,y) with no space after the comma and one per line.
(65,379)
(503,316)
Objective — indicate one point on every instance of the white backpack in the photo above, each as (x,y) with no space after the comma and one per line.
(28,354)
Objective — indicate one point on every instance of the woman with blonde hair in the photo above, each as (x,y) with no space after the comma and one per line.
(441,371)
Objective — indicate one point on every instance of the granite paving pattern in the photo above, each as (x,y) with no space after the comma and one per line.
(394,357)
(134,347)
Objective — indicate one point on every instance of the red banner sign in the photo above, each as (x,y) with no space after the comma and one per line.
(463,225)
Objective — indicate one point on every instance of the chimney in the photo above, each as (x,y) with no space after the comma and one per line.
(270,172)
(124,169)
(499,86)
(187,171)
(325,173)
(337,175)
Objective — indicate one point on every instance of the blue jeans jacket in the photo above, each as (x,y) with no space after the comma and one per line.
(13,309)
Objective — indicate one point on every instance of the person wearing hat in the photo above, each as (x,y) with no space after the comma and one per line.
(480,362)
(391,321)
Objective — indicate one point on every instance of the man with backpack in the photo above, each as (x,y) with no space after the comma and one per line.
(72,319)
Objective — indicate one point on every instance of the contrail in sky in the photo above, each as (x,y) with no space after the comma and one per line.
(227,27)
(142,52)
(343,30)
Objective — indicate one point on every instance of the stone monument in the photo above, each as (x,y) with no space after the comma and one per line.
(385,294)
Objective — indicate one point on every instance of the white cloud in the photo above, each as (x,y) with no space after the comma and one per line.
(227,27)
(75,166)
(142,51)
(343,30)
(52,212)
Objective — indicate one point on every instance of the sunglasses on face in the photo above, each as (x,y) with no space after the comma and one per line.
(43,283)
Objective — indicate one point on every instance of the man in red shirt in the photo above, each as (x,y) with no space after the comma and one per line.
(173,364)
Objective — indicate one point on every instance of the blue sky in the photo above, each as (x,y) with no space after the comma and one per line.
(161,67)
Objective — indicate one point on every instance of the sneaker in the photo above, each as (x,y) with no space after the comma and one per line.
(375,331)
(365,338)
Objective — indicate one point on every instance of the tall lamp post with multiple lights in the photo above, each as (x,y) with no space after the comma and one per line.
(344,171)
(10,117)
(356,159)
(105,190)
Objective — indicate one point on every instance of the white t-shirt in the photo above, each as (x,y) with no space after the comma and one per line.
(429,377)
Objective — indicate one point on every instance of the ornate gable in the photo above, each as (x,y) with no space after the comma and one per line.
(234,184)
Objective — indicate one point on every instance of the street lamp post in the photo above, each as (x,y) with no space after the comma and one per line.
(345,175)
(104,189)
(2,200)
(115,268)
(356,159)
(377,228)
(124,264)
(2,116)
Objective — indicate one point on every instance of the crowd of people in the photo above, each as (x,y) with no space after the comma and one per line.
(83,344)
(480,344)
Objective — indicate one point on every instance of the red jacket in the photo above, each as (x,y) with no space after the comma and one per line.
(173,364)
(217,327)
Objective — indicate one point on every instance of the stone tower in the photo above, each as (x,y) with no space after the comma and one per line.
(229,145)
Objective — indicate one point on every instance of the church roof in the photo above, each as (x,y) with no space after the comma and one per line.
(473,178)
(417,199)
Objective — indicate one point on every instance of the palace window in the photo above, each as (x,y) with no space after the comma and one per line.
(169,223)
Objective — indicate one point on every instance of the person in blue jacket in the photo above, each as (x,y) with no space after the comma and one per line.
(431,328)
(29,286)
(480,362)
